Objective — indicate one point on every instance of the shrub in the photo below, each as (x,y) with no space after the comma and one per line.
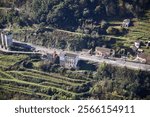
(28,64)
(104,24)
(122,30)
(112,31)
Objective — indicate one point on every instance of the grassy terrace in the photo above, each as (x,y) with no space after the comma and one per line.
(28,92)
(19,82)
(37,84)
(140,31)
(8,60)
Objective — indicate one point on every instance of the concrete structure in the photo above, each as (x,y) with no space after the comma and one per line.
(103,52)
(126,23)
(68,60)
(137,44)
(6,40)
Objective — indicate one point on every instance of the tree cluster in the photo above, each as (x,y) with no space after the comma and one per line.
(70,14)
(121,83)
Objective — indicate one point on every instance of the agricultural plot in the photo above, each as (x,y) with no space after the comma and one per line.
(8,60)
(34,84)
(140,30)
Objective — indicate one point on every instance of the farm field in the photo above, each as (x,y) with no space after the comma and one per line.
(139,31)
(34,84)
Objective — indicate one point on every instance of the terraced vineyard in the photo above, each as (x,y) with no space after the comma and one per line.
(140,30)
(8,60)
(33,84)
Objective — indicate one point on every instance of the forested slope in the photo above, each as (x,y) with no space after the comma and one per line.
(70,13)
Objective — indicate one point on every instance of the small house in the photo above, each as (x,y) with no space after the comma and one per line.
(137,44)
(126,23)
(103,52)
(68,60)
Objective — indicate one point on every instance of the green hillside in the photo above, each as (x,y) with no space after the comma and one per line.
(68,14)
(28,83)
(18,81)
(74,25)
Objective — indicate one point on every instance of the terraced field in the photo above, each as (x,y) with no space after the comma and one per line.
(139,31)
(33,84)
(8,60)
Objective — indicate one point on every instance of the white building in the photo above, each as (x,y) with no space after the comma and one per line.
(137,44)
(126,23)
(68,60)
(6,40)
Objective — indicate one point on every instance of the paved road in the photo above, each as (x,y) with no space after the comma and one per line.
(18,52)
(117,62)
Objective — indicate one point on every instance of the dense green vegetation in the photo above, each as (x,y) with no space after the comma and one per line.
(121,83)
(73,25)
(23,83)
(89,19)
(108,82)
(8,60)
(68,14)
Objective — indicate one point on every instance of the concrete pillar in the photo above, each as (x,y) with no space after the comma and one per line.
(2,40)
(10,40)
(6,42)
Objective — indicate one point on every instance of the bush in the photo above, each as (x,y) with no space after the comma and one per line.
(28,64)
(112,31)
(122,30)
(45,66)
(104,24)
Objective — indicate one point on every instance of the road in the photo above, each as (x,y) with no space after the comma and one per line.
(119,63)
(116,62)
(18,52)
